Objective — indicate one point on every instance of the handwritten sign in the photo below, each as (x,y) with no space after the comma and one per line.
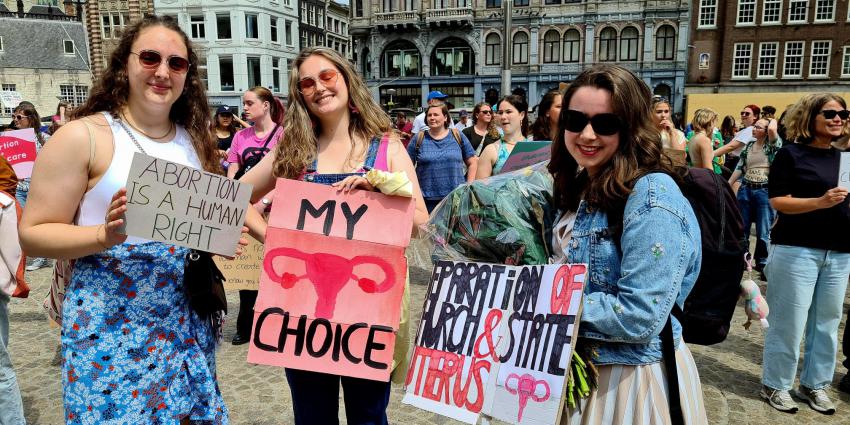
(844,171)
(496,341)
(176,204)
(10,99)
(526,154)
(18,147)
(243,271)
(332,280)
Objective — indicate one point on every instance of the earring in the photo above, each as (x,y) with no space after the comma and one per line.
(352,108)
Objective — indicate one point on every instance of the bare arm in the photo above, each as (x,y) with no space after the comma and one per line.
(399,160)
(240,121)
(729,147)
(789,205)
(484,167)
(703,145)
(471,168)
(772,131)
(734,180)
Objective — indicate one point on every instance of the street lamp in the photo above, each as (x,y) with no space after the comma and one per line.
(390,104)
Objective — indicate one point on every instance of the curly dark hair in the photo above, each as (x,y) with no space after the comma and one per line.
(639,151)
(191,110)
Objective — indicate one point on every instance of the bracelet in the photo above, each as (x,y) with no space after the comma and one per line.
(97,237)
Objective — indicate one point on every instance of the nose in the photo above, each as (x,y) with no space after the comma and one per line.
(587,132)
(162,70)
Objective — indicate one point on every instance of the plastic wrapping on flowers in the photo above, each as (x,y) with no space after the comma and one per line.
(505,219)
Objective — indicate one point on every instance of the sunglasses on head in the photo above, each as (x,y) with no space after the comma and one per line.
(151,59)
(831,113)
(307,86)
(602,124)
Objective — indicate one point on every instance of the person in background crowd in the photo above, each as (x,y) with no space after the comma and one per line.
(728,128)
(700,147)
(768,112)
(60,118)
(463,122)
(750,183)
(435,97)
(611,182)
(333,132)
(27,117)
(809,257)
(11,275)
(483,130)
(404,128)
(134,350)
(224,128)
(548,113)
(249,147)
(672,139)
(678,122)
(440,157)
(733,148)
(513,117)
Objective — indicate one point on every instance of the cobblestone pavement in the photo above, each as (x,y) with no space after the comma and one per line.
(259,395)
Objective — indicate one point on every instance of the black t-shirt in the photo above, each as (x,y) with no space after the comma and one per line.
(475,139)
(225,142)
(803,171)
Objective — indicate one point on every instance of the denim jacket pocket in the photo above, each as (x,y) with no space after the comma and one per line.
(604,261)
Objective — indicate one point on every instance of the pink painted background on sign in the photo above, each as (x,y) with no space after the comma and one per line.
(18,147)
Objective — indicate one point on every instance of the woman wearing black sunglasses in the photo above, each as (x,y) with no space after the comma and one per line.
(133,349)
(808,260)
(622,213)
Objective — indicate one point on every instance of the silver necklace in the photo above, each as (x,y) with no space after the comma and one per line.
(130,133)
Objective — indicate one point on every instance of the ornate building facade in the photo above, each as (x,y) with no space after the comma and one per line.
(105,19)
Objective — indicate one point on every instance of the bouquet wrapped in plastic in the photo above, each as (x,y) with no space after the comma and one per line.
(505,219)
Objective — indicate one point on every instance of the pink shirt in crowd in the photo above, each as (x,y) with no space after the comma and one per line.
(246,138)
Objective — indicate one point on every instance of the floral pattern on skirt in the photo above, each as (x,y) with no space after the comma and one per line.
(134,352)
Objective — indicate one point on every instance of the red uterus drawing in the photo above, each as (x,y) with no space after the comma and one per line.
(526,388)
(328,273)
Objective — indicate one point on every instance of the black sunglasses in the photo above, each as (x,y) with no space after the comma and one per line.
(602,124)
(831,113)
(151,59)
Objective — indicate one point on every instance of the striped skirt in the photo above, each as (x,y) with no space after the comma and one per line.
(637,395)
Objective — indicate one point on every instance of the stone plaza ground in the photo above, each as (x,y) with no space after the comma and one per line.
(257,395)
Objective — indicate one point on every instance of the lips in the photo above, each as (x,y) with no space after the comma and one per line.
(157,88)
(588,150)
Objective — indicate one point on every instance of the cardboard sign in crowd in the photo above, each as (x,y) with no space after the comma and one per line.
(18,147)
(496,341)
(332,280)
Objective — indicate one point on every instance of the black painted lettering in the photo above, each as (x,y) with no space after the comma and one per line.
(311,337)
(372,345)
(307,208)
(352,219)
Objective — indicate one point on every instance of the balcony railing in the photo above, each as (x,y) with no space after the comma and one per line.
(448,16)
(399,19)
(45,16)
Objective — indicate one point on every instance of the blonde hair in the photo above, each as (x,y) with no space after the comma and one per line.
(297,148)
(704,119)
(800,120)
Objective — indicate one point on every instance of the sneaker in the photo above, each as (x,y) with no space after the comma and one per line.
(38,263)
(844,384)
(779,399)
(817,399)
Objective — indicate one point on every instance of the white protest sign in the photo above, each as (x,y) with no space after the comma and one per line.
(844,171)
(173,203)
(10,99)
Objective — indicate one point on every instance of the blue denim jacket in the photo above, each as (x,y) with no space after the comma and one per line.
(627,301)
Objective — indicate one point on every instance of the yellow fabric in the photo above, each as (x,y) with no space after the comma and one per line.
(401,361)
(395,184)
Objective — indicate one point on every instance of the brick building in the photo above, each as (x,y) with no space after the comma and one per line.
(105,19)
(766,52)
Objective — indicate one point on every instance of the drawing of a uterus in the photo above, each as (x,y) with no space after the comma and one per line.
(526,388)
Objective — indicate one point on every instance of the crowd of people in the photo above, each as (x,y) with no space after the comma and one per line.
(135,351)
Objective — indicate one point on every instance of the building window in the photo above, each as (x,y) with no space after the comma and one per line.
(197,24)
(629,44)
(452,57)
(7,87)
(845,63)
(74,95)
(273,29)
(111,25)
(225,72)
(202,70)
(553,2)
(572,46)
(825,11)
(252,29)
(518,3)
(793,66)
(742,59)
(551,47)
(276,82)
(287,29)
(746,12)
(665,43)
(358,8)
(493,50)
(222,23)
(608,45)
(400,59)
(771,12)
(492,4)
(707,14)
(819,64)
(255,72)
(520,48)
(767,59)
(798,11)
(69,46)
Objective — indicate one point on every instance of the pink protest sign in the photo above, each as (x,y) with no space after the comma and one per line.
(332,281)
(18,147)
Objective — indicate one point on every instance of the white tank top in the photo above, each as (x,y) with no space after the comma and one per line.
(96,201)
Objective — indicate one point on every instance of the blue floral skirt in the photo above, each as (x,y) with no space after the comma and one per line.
(134,352)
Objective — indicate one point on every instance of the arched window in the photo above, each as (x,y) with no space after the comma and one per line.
(551,44)
(520,48)
(629,44)
(608,44)
(452,56)
(572,46)
(662,90)
(400,59)
(665,43)
(493,49)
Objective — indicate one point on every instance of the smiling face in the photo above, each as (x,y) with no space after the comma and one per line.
(254,107)
(590,150)
(829,129)
(158,85)
(747,117)
(325,99)
(510,118)
(435,118)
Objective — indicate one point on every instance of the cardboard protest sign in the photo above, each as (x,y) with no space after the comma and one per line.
(844,171)
(243,271)
(332,280)
(496,341)
(525,154)
(10,99)
(173,203)
(18,147)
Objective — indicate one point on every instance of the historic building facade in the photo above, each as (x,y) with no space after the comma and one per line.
(407,48)
(337,36)
(105,20)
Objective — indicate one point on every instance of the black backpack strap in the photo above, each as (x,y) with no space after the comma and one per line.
(668,355)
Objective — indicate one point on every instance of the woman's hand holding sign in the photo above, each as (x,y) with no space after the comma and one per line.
(108,233)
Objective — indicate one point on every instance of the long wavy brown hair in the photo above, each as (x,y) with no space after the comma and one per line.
(35,120)
(301,129)
(639,151)
(191,110)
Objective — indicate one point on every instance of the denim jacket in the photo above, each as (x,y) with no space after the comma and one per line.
(627,300)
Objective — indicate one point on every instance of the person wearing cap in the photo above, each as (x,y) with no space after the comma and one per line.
(224,128)
(464,122)
(436,97)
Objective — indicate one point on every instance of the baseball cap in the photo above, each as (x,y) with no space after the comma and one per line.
(224,109)
(436,94)
(463,113)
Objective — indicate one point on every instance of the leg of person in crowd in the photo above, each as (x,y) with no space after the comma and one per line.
(247,299)
(762,217)
(315,397)
(366,401)
(11,406)
(745,205)
(844,385)
(430,204)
